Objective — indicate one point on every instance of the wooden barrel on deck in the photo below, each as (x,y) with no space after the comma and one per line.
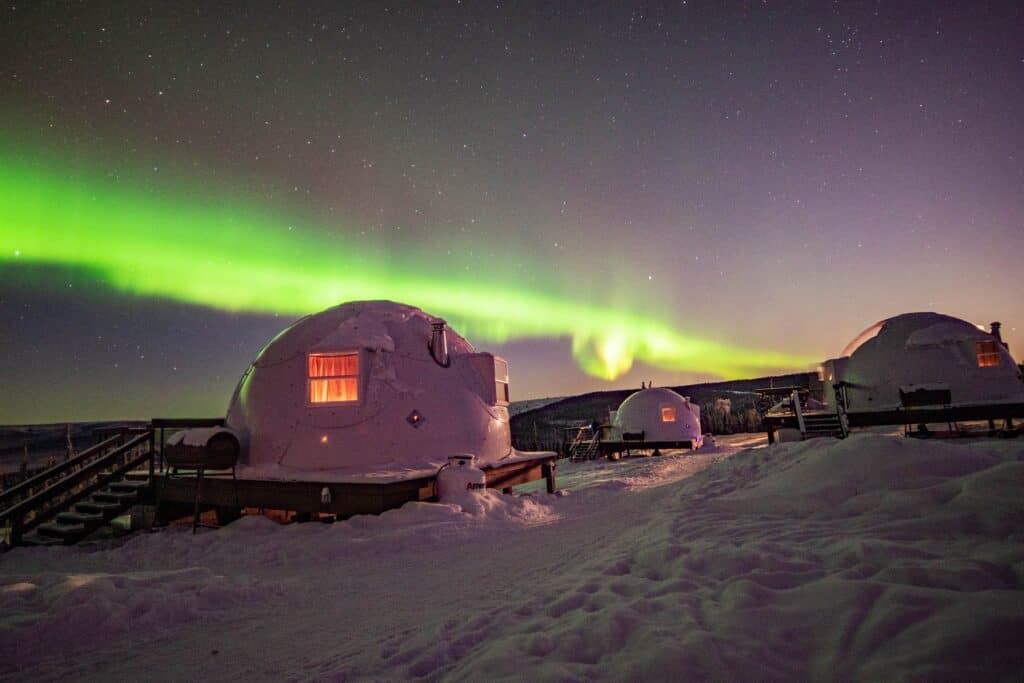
(213,448)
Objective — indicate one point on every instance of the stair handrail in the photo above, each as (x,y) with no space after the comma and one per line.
(841,399)
(798,410)
(577,443)
(16,513)
(59,468)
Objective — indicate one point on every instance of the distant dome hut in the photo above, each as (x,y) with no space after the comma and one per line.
(662,415)
(370,387)
(926,354)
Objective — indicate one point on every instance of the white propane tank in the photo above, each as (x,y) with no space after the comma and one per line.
(459,476)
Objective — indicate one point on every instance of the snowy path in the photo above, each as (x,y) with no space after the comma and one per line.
(870,558)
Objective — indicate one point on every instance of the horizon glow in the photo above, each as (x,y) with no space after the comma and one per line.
(238,256)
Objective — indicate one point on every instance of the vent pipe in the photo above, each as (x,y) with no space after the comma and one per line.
(439,343)
(995,332)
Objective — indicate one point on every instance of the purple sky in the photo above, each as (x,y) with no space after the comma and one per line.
(777,175)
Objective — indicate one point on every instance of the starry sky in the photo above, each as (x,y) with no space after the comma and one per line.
(772,177)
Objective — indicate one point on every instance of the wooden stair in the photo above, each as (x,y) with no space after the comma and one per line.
(72,500)
(823,424)
(87,516)
(586,449)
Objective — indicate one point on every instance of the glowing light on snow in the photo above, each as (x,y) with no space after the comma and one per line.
(237,256)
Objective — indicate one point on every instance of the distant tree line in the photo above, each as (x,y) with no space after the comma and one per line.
(719,417)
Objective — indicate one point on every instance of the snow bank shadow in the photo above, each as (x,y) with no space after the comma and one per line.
(63,613)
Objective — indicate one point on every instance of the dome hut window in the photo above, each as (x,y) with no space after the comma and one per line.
(501,381)
(988,353)
(333,377)
(668,414)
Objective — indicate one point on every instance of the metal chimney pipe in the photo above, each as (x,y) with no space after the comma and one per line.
(995,332)
(439,343)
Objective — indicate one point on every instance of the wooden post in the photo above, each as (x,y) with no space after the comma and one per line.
(70,447)
(15,537)
(771,435)
(548,472)
(199,493)
(152,456)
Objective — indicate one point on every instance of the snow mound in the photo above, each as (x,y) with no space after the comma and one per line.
(872,558)
(76,611)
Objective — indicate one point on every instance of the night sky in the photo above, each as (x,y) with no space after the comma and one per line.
(770,176)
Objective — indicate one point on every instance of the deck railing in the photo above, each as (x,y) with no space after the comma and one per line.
(12,495)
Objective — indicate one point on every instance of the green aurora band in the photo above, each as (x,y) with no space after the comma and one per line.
(239,257)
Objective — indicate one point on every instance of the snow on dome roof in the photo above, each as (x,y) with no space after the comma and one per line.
(920,350)
(869,333)
(358,325)
(908,324)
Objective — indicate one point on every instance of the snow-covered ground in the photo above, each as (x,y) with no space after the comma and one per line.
(877,557)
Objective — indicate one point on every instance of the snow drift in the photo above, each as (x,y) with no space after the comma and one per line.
(876,557)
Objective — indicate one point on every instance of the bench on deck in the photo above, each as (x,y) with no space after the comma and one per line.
(926,396)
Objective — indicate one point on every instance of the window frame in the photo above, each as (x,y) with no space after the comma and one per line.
(672,409)
(987,349)
(310,403)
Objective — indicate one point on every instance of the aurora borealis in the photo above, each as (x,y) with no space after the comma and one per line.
(235,258)
(595,191)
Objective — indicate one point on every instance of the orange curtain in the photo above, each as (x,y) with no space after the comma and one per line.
(337,365)
(333,390)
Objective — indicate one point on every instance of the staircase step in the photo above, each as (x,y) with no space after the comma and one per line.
(109,496)
(133,485)
(38,539)
(137,476)
(76,517)
(67,532)
(95,506)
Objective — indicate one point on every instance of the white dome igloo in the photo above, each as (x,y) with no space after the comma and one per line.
(923,350)
(661,414)
(356,389)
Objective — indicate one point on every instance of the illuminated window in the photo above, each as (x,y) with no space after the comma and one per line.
(333,377)
(988,353)
(668,414)
(501,381)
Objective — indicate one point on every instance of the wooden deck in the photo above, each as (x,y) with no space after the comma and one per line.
(626,447)
(908,416)
(175,494)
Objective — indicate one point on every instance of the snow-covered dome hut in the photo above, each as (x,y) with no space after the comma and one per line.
(661,414)
(927,353)
(367,388)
